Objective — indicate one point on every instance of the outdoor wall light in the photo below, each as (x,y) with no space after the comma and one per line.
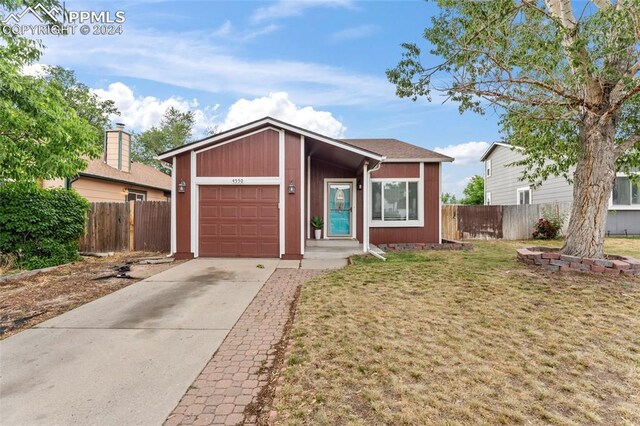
(359,185)
(182,186)
(292,188)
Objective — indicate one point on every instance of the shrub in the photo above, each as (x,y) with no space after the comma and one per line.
(41,227)
(549,225)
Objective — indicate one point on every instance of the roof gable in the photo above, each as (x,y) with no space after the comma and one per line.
(494,145)
(239,131)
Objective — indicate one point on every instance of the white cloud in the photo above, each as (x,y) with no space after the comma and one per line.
(353,33)
(203,61)
(278,105)
(288,8)
(34,70)
(229,32)
(140,113)
(143,112)
(465,153)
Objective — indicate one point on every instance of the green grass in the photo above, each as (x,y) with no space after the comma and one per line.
(464,338)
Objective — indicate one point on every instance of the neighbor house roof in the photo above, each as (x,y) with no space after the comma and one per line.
(140,175)
(494,146)
(395,149)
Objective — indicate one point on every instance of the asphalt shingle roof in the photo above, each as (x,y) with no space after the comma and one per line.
(397,149)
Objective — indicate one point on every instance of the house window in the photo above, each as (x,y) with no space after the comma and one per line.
(625,192)
(136,195)
(396,202)
(524,196)
(488,168)
(487,200)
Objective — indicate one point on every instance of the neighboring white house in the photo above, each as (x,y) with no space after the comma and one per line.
(503,186)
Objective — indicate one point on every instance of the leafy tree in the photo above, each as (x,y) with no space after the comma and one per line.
(565,83)
(175,130)
(448,198)
(474,192)
(86,104)
(41,134)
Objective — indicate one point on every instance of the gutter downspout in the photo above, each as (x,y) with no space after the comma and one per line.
(367,247)
(69,181)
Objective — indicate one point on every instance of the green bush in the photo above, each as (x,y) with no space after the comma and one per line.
(41,227)
(549,225)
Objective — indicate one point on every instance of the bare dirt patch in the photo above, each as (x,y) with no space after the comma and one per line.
(28,301)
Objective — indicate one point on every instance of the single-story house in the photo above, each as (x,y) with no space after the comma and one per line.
(503,185)
(114,177)
(252,191)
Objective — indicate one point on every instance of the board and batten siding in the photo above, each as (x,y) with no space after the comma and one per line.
(505,180)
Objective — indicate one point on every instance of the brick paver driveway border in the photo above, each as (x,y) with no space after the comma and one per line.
(234,377)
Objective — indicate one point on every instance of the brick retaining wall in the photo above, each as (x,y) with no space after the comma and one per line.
(552,260)
(445,245)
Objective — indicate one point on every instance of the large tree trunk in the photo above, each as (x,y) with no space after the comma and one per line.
(592,185)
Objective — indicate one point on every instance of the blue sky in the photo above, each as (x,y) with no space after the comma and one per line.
(318,62)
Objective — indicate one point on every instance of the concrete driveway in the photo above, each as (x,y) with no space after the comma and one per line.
(128,357)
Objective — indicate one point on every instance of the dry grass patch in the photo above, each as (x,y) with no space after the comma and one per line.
(464,338)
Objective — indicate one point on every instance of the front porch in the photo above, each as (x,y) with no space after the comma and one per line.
(336,249)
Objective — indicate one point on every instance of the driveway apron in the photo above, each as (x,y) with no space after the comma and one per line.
(126,358)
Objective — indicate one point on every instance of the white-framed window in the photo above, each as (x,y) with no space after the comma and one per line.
(487,199)
(625,192)
(397,202)
(136,195)
(487,168)
(523,196)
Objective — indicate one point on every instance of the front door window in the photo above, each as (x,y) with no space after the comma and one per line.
(340,209)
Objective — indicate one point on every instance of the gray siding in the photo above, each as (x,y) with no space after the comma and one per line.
(505,181)
(623,221)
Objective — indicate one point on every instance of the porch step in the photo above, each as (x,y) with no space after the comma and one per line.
(333,243)
(332,252)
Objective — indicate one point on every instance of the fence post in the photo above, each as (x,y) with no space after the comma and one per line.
(132,226)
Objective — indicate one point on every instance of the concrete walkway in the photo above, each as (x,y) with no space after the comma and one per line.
(228,388)
(128,357)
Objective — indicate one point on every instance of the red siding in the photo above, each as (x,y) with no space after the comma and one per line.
(183,210)
(397,170)
(255,155)
(430,233)
(292,147)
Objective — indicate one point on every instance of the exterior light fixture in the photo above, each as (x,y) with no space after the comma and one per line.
(291,188)
(182,186)
(359,185)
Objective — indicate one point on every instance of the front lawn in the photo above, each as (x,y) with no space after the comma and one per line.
(465,338)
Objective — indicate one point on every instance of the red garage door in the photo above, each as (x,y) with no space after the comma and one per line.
(238,221)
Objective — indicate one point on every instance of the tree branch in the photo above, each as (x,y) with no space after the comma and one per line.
(628,144)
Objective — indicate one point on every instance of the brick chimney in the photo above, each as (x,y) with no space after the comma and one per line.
(117,148)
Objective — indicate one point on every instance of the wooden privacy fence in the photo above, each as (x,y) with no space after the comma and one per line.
(462,222)
(132,226)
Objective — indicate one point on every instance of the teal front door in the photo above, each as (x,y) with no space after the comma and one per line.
(340,209)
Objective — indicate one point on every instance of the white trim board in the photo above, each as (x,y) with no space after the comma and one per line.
(174,192)
(239,180)
(301,185)
(354,207)
(281,204)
